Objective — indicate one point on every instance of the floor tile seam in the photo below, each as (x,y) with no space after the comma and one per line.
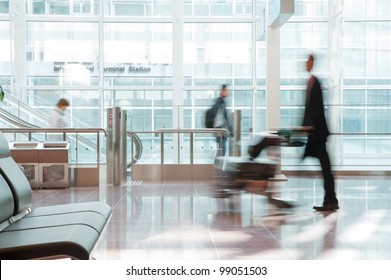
(279,242)
(214,243)
(119,200)
(89,194)
(46,197)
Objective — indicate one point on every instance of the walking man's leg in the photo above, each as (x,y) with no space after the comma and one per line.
(330,201)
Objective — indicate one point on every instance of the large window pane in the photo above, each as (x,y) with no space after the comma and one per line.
(137,7)
(367,52)
(312,8)
(217,53)
(62,7)
(379,120)
(82,112)
(297,41)
(353,120)
(361,8)
(217,8)
(62,53)
(5,54)
(4,7)
(138,54)
(147,110)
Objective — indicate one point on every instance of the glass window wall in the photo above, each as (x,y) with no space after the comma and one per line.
(62,54)
(62,7)
(143,58)
(218,8)
(217,53)
(123,55)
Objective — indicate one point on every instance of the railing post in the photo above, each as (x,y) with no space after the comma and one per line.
(117,146)
(109,147)
(98,150)
(161,147)
(123,148)
(191,148)
(221,143)
(237,130)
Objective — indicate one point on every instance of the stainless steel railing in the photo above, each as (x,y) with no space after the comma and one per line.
(220,132)
(64,132)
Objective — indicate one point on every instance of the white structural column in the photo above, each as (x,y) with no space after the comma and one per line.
(18,15)
(272,76)
(100,64)
(177,75)
(273,111)
(335,79)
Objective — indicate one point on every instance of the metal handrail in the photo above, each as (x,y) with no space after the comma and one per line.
(139,148)
(220,131)
(64,131)
(361,133)
(223,131)
(54,130)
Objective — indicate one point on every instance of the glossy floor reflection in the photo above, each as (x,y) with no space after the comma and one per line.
(185,221)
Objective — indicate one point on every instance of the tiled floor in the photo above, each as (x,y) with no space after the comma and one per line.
(185,221)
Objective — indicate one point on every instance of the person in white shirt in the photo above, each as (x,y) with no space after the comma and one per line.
(58,119)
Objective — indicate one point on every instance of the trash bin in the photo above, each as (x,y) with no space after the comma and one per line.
(25,155)
(53,165)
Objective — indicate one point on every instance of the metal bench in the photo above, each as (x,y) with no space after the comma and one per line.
(58,231)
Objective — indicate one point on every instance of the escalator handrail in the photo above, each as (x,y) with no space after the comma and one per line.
(139,148)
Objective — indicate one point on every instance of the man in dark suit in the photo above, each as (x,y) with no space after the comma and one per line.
(316,146)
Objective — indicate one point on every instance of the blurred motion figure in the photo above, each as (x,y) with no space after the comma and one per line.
(314,117)
(58,119)
(221,118)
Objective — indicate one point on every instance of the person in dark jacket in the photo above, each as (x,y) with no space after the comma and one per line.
(316,146)
(221,119)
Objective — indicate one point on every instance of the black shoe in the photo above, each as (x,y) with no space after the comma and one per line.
(327,207)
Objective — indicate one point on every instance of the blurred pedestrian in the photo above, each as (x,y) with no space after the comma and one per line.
(314,117)
(58,119)
(221,119)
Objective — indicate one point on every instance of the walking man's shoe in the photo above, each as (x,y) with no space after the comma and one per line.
(327,207)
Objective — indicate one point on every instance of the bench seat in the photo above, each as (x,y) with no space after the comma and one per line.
(93,206)
(57,231)
(67,241)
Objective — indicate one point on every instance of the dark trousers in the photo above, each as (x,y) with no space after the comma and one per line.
(221,146)
(318,150)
